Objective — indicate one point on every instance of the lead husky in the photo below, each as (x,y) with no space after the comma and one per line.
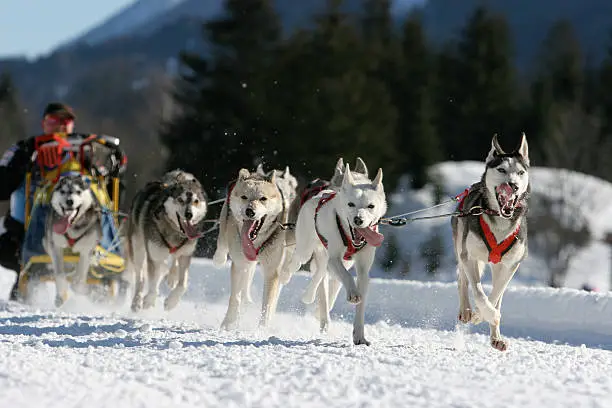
(165,219)
(73,222)
(338,228)
(498,236)
(251,232)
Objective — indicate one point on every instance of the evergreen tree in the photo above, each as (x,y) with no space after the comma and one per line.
(12,126)
(222,97)
(477,94)
(330,104)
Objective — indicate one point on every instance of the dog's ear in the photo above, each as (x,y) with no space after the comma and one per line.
(260,170)
(523,148)
(377,183)
(360,166)
(243,174)
(272,177)
(496,149)
(336,179)
(286,173)
(347,179)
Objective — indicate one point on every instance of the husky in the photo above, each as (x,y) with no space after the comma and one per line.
(495,235)
(165,219)
(338,228)
(74,222)
(251,231)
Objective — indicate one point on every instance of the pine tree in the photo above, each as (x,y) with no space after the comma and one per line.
(222,97)
(330,104)
(477,92)
(12,125)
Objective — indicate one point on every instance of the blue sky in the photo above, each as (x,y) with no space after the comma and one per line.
(32,27)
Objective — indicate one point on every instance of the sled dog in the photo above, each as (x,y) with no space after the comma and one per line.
(251,231)
(338,228)
(495,235)
(165,220)
(73,221)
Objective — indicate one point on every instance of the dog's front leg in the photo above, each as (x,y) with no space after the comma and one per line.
(182,272)
(465,309)
(61,283)
(473,270)
(271,292)
(239,274)
(222,250)
(502,275)
(155,275)
(79,282)
(363,264)
(336,266)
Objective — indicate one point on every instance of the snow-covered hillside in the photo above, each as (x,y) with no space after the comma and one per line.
(96,357)
(592,195)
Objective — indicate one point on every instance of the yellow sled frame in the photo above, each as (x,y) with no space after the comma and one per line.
(110,261)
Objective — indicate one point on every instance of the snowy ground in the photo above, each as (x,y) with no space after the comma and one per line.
(86,356)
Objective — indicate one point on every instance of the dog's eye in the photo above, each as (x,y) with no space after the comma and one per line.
(180,200)
(501,170)
(243,197)
(263,198)
(521,173)
(371,206)
(351,204)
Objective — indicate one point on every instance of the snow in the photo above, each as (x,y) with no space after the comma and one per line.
(92,355)
(593,196)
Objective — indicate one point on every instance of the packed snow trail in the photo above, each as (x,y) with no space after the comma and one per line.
(85,355)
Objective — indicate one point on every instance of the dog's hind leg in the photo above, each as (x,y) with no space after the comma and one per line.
(61,283)
(318,265)
(363,264)
(271,292)
(502,275)
(182,272)
(155,274)
(485,310)
(465,309)
(239,273)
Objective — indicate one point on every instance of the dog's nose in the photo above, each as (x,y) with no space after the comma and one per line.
(188,215)
(514,186)
(358,221)
(249,212)
(69,202)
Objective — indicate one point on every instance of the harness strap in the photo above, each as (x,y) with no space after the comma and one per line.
(497,250)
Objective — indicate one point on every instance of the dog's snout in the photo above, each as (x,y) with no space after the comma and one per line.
(188,215)
(358,221)
(249,212)
(514,186)
(70,202)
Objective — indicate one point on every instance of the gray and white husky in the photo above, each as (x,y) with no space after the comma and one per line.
(165,220)
(498,236)
(251,231)
(338,228)
(73,222)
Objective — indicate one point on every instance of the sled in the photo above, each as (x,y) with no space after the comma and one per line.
(55,155)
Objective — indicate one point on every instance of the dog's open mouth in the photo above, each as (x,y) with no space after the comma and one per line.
(63,223)
(250,229)
(187,227)
(369,234)
(507,199)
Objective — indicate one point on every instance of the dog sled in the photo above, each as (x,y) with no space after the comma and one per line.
(96,158)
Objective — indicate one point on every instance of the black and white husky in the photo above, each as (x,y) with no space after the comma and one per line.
(492,229)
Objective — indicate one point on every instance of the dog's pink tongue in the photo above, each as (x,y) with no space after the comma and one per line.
(247,245)
(61,226)
(504,194)
(371,236)
(190,229)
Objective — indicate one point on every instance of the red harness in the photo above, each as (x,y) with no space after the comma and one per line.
(496,250)
(351,248)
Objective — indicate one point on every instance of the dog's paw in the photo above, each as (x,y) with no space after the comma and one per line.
(137,303)
(465,315)
(220,259)
(60,299)
(229,324)
(309,295)
(476,317)
(149,300)
(172,278)
(499,344)
(359,339)
(353,296)
(172,300)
